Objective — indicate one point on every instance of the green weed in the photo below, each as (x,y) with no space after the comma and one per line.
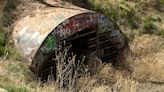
(161,2)
(148,26)
(2,37)
(132,34)
(15,88)
(6,19)
(13,53)
(119,11)
(160,32)
(2,42)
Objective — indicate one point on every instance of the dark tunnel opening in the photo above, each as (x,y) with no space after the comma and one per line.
(80,42)
(88,42)
(79,46)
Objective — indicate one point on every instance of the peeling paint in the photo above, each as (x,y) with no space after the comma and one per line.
(38,35)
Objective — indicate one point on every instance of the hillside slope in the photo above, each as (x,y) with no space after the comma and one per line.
(143,71)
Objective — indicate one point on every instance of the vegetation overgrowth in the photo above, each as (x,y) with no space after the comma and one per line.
(142,21)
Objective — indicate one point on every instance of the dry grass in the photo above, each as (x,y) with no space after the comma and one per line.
(15,77)
(148,60)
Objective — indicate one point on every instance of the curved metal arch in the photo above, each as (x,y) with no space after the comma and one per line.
(63,32)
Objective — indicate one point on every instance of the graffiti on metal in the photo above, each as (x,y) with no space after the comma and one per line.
(105,24)
(66,29)
(38,35)
(74,25)
(50,42)
(80,22)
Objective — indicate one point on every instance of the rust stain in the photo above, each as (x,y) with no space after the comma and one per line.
(31,31)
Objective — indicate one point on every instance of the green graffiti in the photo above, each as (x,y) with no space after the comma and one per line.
(50,42)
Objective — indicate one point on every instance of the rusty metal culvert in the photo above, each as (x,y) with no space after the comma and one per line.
(37,36)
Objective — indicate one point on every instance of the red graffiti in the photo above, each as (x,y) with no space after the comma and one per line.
(76,24)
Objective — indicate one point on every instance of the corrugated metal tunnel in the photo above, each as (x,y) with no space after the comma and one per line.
(38,35)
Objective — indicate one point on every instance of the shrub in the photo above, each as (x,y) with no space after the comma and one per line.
(160,32)
(6,19)
(14,88)
(161,2)
(131,35)
(122,12)
(8,7)
(2,42)
(7,48)
(148,26)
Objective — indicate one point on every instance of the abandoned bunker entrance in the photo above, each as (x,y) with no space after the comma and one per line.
(79,42)
(85,32)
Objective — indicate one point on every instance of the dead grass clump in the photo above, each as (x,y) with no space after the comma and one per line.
(124,84)
(102,77)
(147,58)
(145,45)
(150,68)
(107,80)
(66,71)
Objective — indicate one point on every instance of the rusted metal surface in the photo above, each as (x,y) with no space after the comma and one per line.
(31,31)
(39,35)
